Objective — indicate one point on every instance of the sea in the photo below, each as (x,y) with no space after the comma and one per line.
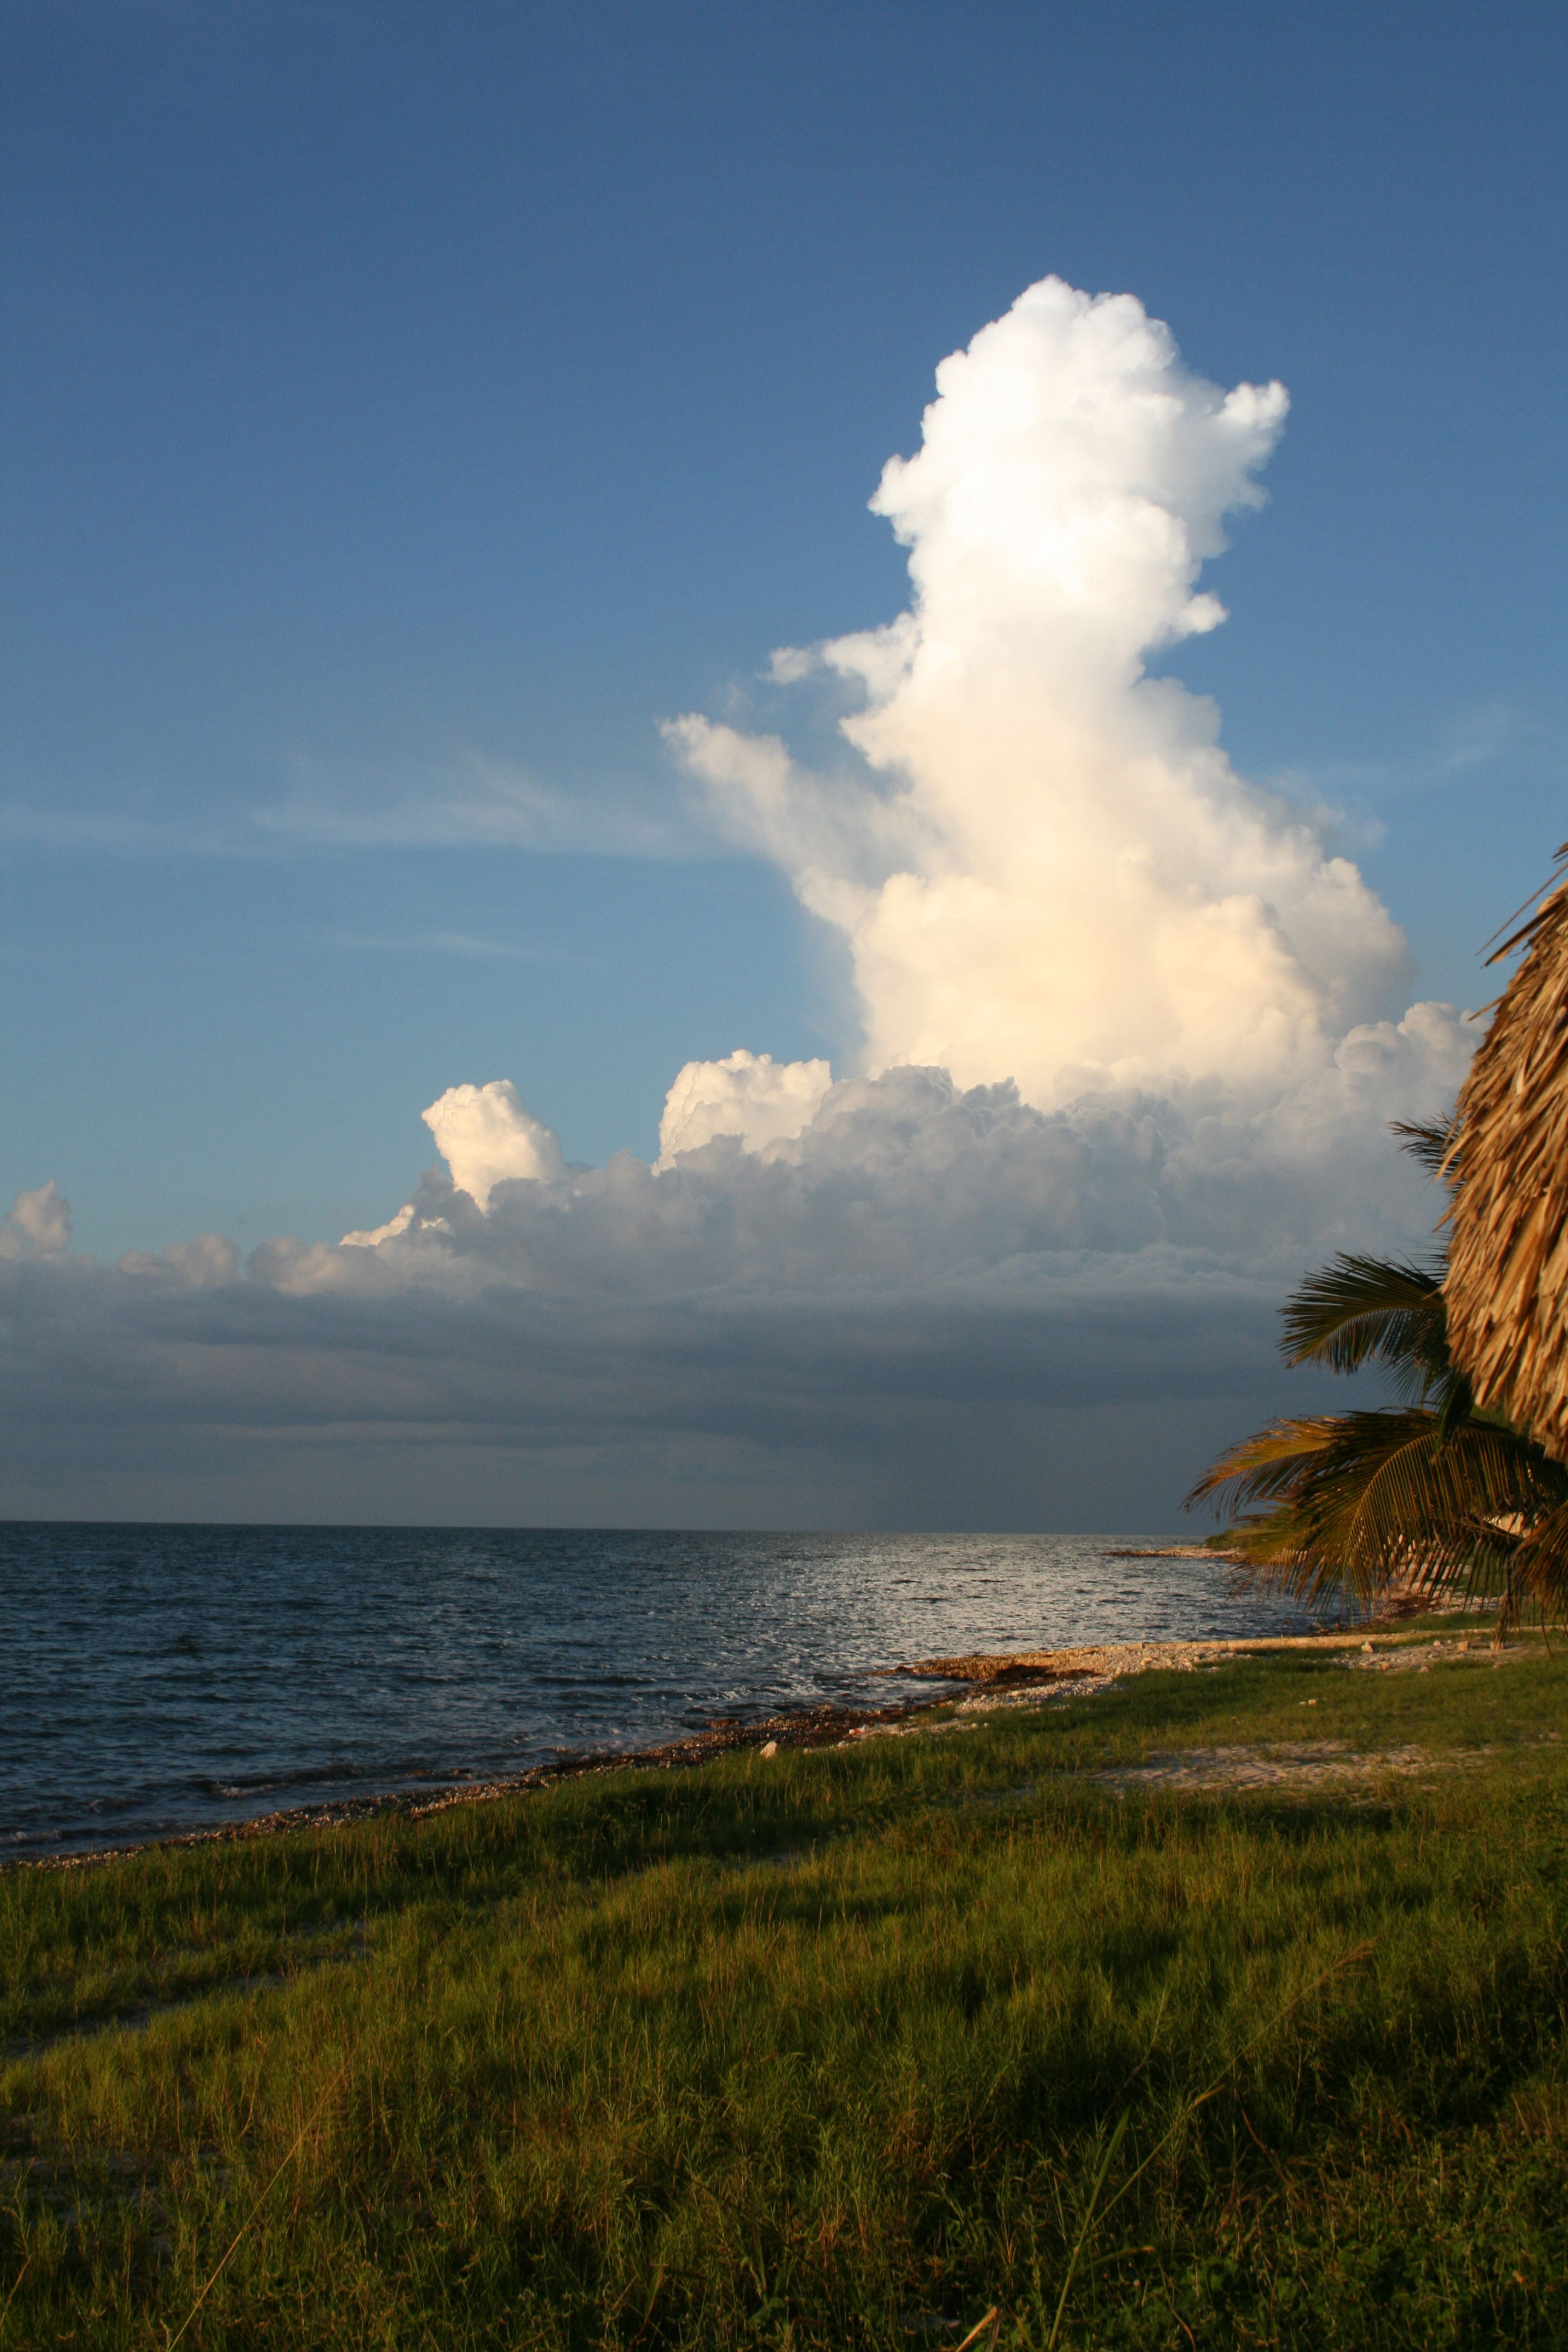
(160,1679)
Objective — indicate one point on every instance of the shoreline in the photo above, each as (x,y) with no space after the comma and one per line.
(485,2078)
(1001,1678)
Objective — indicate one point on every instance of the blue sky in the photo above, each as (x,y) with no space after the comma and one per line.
(392,388)
(410,408)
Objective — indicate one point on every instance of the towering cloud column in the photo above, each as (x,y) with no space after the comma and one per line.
(1044,864)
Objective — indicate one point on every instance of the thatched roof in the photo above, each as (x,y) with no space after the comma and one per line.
(1507,1285)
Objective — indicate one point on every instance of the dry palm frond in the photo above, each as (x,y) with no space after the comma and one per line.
(1506,1287)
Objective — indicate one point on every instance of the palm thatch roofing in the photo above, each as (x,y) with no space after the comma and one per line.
(1507,1287)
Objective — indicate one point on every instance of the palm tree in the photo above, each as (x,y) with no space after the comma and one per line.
(1432,1494)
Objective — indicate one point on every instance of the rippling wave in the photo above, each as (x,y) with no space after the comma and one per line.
(160,1678)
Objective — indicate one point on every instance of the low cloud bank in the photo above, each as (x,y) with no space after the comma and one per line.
(933,1305)
(903,1181)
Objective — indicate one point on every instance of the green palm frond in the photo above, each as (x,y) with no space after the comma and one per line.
(1388,1494)
(1263,1467)
(1538,1570)
(1364,1499)
(1375,1484)
(1361,1309)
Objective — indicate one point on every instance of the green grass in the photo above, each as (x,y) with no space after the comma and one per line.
(829,2051)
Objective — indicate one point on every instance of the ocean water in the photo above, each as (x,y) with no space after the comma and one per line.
(160,1678)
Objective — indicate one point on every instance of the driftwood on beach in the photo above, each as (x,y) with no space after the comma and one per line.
(1507,1287)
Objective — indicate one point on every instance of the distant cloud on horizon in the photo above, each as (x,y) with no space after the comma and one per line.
(930,1306)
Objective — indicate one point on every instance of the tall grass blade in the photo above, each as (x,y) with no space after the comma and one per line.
(1086,2226)
(255,2208)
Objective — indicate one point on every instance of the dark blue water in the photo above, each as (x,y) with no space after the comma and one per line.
(159,1678)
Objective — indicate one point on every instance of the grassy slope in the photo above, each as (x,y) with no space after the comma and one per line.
(829,2050)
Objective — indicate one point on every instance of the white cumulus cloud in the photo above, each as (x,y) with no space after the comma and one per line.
(1044,864)
(749,1096)
(37,1221)
(487,1138)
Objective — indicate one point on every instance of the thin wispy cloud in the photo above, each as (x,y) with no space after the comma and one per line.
(472,804)
(1493,736)
(481,803)
(448,943)
(89,832)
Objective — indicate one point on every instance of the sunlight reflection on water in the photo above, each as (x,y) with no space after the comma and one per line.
(160,1678)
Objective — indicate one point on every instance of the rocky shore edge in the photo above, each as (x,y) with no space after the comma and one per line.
(997,1678)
